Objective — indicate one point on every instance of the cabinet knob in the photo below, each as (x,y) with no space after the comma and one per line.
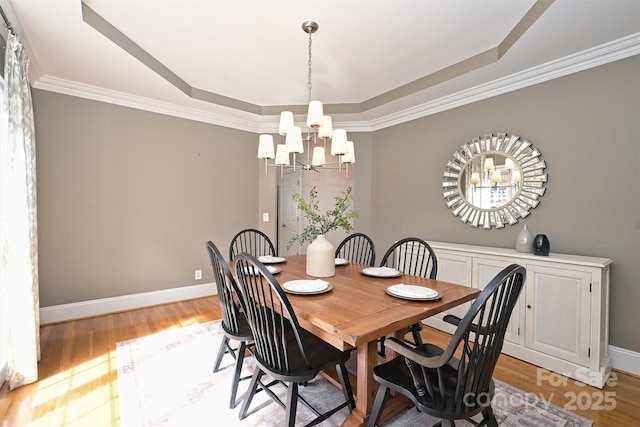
(528,306)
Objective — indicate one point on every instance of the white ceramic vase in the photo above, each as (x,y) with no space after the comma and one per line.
(524,240)
(321,258)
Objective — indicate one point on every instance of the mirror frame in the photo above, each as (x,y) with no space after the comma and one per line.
(532,188)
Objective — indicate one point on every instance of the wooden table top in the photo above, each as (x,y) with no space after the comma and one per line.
(358,310)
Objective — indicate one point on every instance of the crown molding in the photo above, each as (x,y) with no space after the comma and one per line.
(67,87)
(600,55)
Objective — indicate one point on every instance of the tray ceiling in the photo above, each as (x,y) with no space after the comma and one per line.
(374,62)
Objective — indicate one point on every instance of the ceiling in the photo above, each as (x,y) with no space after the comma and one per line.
(374,62)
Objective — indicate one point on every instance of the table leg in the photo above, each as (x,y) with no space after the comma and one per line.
(366,388)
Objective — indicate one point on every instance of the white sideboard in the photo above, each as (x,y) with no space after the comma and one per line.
(561,321)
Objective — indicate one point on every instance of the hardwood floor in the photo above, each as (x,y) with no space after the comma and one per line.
(78,374)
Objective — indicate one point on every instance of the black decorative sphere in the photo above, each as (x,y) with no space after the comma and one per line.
(541,245)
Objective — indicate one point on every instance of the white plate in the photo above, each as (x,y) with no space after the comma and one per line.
(412,292)
(381,272)
(341,261)
(306,287)
(253,272)
(268,259)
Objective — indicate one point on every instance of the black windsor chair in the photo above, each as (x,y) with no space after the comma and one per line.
(234,322)
(438,383)
(251,241)
(358,248)
(283,350)
(414,256)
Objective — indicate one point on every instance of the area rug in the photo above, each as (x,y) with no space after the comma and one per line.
(166,379)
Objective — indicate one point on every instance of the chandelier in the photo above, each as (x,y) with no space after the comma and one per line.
(319,132)
(495,176)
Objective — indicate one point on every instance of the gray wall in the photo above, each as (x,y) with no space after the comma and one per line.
(127,199)
(587,127)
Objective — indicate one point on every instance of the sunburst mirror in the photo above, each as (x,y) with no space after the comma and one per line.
(494,180)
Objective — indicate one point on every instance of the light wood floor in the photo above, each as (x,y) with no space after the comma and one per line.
(78,374)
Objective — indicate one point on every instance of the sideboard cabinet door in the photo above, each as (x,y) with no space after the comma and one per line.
(558,310)
(453,269)
(484,270)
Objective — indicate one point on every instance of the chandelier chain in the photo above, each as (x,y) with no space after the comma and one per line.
(309,74)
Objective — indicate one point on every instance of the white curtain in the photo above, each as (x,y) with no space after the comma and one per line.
(19,300)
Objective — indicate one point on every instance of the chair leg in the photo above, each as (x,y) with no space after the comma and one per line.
(378,405)
(292,405)
(221,352)
(251,391)
(343,375)
(383,350)
(488,418)
(415,331)
(237,373)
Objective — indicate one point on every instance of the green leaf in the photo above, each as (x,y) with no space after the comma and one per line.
(338,217)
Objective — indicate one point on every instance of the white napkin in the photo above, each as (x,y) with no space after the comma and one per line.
(381,271)
(306,285)
(340,261)
(271,269)
(413,291)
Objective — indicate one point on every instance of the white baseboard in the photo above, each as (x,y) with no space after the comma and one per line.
(77,310)
(625,360)
(622,359)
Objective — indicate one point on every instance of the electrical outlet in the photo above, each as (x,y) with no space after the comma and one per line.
(198,275)
(265,217)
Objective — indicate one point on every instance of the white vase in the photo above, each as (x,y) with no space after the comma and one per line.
(321,258)
(524,240)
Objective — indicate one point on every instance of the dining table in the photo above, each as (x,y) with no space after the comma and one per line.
(356,309)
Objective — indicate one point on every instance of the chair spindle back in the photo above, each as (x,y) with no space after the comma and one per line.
(228,292)
(412,255)
(251,241)
(358,248)
(273,322)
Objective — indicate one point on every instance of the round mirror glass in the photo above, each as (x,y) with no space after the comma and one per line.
(494,180)
(490,181)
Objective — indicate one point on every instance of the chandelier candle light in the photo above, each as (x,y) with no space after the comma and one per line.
(320,127)
(494,175)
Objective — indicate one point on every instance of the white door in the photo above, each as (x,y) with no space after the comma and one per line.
(290,218)
(329,184)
